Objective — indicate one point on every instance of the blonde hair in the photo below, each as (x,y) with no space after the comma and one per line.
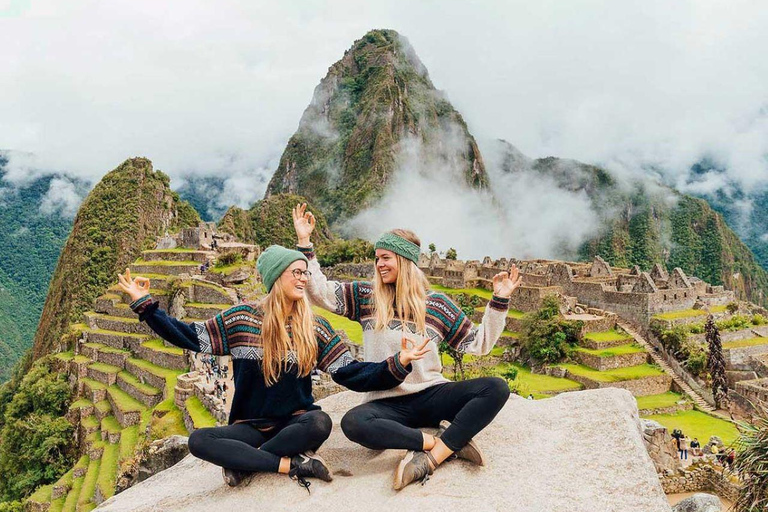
(408,293)
(276,341)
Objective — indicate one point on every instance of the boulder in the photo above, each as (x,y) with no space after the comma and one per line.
(580,452)
(661,447)
(699,502)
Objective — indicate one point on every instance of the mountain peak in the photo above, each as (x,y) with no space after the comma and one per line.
(376,112)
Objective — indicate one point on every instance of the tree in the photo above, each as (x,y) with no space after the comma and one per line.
(716,363)
(432,249)
(467,303)
(450,254)
(750,463)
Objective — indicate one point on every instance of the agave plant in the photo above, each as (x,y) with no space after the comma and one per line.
(751,463)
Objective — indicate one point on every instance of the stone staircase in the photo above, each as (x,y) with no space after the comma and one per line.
(660,362)
(127,381)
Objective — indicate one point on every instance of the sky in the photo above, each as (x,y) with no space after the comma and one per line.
(217,88)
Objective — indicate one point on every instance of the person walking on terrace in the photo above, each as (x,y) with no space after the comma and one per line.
(274,425)
(398,310)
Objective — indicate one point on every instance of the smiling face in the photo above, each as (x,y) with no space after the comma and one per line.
(293,287)
(386,265)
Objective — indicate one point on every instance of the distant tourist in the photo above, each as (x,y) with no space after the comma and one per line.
(395,310)
(683,449)
(530,396)
(696,447)
(731,457)
(274,425)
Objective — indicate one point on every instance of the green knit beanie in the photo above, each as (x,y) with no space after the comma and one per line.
(274,260)
(399,245)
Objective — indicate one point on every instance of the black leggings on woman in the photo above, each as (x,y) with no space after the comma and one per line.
(243,447)
(394,422)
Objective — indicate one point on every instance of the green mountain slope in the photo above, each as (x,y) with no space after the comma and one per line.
(123,214)
(375,104)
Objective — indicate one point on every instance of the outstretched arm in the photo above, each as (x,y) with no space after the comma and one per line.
(465,337)
(195,336)
(334,358)
(343,299)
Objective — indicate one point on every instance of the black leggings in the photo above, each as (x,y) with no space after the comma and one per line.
(469,405)
(241,446)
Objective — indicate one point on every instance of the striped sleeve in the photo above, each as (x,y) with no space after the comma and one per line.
(457,328)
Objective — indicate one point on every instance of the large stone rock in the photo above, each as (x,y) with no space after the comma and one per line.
(699,502)
(580,452)
(661,447)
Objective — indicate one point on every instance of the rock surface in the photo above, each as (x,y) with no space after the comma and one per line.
(580,452)
(699,502)
(661,447)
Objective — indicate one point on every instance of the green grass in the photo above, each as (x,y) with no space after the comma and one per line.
(80,403)
(616,375)
(689,313)
(42,494)
(66,478)
(70,503)
(228,269)
(82,462)
(105,368)
(353,329)
(158,346)
(124,401)
(480,292)
(660,401)
(631,348)
(136,383)
(170,423)
(108,470)
(206,305)
(92,384)
(110,424)
(79,359)
(750,342)
(698,424)
(129,438)
(118,333)
(89,483)
(57,505)
(200,416)
(612,335)
(116,318)
(168,374)
(103,406)
(512,313)
(65,356)
(510,334)
(165,263)
(540,386)
(176,249)
(90,422)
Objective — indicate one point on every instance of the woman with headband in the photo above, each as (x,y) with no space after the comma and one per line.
(399,310)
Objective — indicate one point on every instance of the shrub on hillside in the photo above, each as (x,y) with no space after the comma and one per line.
(345,251)
(546,337)
(36,445)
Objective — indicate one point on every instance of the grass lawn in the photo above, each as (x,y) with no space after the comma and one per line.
(540,386)
(80,402)
(128,439)
(158,346)
(131,380)
(496,351)
(689,313)
(89,422)
(698,424)
(108,470)
(199,414)
(65,356)
(165,263)
(170,423)
(750,342)
(122,319)
(631,348)
(105,368)
(42,494)
(667,399)
(512,313)
(89,484)
(104,406)
(168,374)
(123,400)
(616,375)
(353,329)
(480,292)
(110,424)
(612,335)
(70,504)
(92,384)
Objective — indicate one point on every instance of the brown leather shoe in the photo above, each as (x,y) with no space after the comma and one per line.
(414,466)
(470,452)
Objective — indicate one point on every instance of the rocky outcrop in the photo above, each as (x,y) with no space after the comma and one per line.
(580,451)
(699,502)
(661,447)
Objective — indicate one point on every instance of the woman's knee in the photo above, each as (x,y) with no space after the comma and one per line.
(198,439)
(498,389)
(320,423)
(353,425)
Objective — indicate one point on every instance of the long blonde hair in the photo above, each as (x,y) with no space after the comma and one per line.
(276,341)
(408,294)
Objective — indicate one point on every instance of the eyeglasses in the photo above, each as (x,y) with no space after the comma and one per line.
(297,273)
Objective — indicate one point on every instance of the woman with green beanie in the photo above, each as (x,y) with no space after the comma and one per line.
(274,424)
(397,310)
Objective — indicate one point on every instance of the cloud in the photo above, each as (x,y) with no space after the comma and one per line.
(63,198)
(218,88)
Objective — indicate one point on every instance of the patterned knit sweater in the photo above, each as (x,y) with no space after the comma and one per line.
(445,321)
(237,332)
